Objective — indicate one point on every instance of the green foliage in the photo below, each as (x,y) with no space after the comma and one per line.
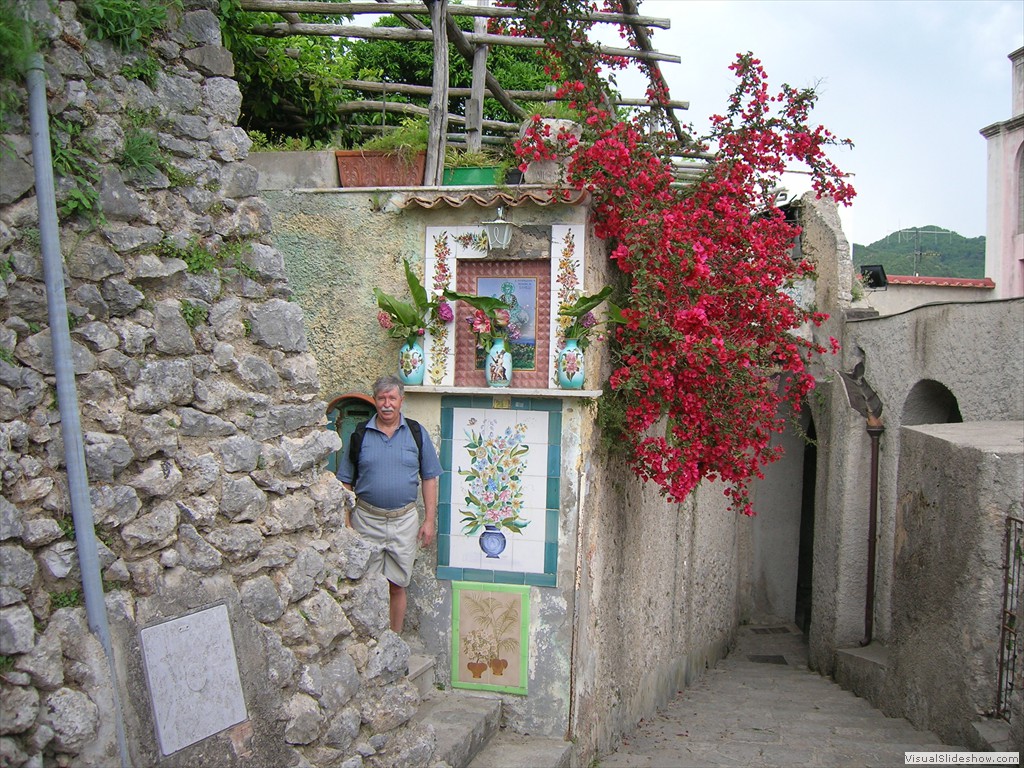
(456,158)
(413,62)
(179,178)
(17,40)
(194,314)
(301,72)
(128,24)
(17,43)
(198,259)
(305,74)
(141,118)
(69,598)
(31,237)
(72,159)
(937,252)
(409,138)
(6,268)
(144,68)
(247,327)
(141,155)
(67,526)
(7,356)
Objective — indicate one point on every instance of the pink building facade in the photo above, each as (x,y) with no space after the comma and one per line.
(1004,249)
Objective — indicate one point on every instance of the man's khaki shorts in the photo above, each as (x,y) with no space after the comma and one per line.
(397,537)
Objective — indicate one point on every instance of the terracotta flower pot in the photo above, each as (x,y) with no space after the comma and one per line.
(370,168)
(476,667)
(498,665)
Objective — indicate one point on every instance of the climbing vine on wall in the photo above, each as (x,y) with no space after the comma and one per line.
(708,354)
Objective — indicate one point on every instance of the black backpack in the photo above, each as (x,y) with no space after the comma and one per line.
(355,444)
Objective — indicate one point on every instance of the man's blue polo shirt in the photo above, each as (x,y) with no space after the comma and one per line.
(390,468)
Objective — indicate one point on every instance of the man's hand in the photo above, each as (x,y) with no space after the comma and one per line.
(427,533)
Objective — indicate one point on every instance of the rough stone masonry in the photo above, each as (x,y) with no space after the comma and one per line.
(203,436)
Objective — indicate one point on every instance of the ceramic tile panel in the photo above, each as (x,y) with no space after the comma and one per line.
(498,465)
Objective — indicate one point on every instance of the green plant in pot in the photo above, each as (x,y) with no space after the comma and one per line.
(395,158)
(476,168)
(408,321)
(491,321)
(576,323)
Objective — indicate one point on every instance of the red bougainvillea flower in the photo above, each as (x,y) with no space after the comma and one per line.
(707,354)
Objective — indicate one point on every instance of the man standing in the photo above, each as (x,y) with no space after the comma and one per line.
(383,466)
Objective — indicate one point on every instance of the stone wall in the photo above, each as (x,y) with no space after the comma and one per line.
(202,419)
(957,484)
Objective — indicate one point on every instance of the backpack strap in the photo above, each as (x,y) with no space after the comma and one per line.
(355,444)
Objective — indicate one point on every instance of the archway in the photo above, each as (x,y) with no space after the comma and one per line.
(343,414)
(930,402)
(805,561)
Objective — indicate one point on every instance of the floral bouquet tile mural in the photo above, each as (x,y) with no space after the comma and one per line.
(490,636)
(498,510)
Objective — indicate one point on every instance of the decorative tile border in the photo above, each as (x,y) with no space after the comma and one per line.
(567,283)
(531,557)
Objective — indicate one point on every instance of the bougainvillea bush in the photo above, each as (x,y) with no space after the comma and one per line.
(708,354)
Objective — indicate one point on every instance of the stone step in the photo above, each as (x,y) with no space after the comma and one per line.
(514,750)
(463,723)
(421,674)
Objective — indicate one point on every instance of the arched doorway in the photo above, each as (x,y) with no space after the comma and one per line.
(343,414)
(930,402)
(805,561)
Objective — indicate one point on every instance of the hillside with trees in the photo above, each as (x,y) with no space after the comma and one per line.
(928,250)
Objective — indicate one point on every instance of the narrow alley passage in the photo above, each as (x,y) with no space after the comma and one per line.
(762,706)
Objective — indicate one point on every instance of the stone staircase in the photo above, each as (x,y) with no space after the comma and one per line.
(762,706)
(469,732)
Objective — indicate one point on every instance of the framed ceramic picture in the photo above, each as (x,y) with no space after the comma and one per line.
(490,636)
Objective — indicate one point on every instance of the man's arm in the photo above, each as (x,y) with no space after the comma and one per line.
(428,531)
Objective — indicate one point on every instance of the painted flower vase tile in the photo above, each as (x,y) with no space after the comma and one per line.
(570,366)
(411,363)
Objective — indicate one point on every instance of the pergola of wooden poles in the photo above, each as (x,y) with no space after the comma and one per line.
(473,46)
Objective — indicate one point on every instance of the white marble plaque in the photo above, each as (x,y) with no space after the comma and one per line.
(193,678)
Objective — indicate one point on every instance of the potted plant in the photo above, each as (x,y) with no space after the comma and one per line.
(395,158)
(479,168)
(408,321)
(577,322)
(491,321)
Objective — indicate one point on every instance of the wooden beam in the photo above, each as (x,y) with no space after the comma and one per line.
(644,41)
(401,108)
(467,51)
(355,9)
(475,103)
(438,118)
(376,86)
(285,29)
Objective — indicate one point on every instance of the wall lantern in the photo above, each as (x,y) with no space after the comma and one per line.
(873,276)
(499,231)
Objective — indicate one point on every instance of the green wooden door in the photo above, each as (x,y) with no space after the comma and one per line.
(343,419)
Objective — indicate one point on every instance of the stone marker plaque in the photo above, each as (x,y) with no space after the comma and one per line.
(193,677)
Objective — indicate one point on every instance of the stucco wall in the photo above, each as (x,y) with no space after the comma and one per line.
(976,351)
(658,599)
(900,298)
(646,591)
(957,484)
(1004,238)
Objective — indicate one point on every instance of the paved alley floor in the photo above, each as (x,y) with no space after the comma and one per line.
(762,706)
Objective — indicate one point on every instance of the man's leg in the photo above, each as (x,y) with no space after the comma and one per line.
(398,600)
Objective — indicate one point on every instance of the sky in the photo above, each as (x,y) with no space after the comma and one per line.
(911,82)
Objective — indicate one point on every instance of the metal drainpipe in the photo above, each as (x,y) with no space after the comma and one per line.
(67,394)
(875,430)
